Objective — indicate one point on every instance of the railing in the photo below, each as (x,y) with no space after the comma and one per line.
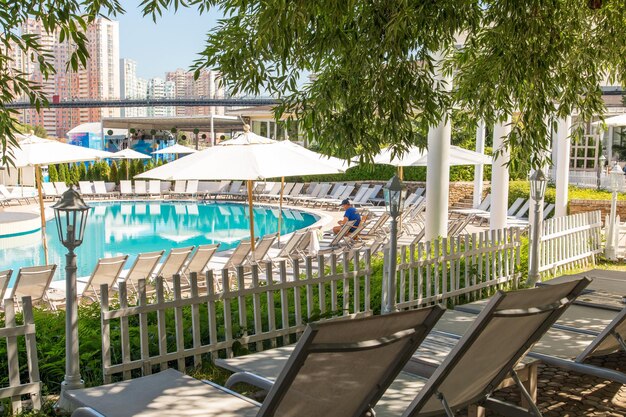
(13,334)
(570,242)
(257,308)
(448,270)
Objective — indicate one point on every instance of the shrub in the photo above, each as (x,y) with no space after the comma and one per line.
(53,174)
(114,175)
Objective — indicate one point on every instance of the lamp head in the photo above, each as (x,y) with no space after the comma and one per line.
(538,182)
(394,196)
(70,213)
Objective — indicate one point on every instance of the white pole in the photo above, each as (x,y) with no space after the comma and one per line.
(562,143)
(438,168)
(212,130)
(500,177)
(609,147)
(479,169)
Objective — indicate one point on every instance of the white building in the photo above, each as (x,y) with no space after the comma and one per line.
(132,88)
(160,89)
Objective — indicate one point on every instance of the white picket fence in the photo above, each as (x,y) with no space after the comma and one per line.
(258,308)
(448,269)
(14,333)
(570,242)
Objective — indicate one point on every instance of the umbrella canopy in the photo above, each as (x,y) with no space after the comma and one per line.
(245,162)
(248,157)
(174,150)
(34,151)
(415,156)
(248,138)
(613,121)
(129,154)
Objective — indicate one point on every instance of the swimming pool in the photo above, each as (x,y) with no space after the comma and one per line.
(129,228)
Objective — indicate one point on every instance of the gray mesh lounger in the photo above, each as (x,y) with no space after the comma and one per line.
(477,363)
(319,378)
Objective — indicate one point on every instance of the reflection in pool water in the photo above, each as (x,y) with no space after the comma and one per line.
(134,227)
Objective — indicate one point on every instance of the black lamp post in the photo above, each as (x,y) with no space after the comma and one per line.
(394,200)
(70,213)
(538,183)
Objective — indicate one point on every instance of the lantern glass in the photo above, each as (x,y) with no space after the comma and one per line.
(70,213)
(394,196)
(616,175)
(538,183)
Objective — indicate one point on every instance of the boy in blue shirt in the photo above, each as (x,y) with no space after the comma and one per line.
(349,215)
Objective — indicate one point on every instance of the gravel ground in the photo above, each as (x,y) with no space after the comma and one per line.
(569,394)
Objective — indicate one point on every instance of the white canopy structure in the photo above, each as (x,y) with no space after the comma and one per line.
(619,120)
(248,157)
(245,162)
(129,154)
(35,151)
(176,149)
(415,156)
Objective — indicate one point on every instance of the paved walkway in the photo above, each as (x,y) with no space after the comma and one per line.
(568,394)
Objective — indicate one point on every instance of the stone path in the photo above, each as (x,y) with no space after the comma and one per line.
(569,394)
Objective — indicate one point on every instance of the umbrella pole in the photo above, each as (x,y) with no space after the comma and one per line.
(127,170)
(280,207)
(250,198)
(401,173)
(38,179)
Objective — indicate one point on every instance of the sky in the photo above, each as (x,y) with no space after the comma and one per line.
(173,42)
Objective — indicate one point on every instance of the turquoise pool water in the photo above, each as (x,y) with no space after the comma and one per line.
(133,227)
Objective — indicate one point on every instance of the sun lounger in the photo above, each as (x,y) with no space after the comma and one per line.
(101,190)
(580,333)
(239,256)
(5,277)
(318,379)
(86,189)
(435,382)
(179,188)
(143,267)
(107,271)
(371,193)
(483,208)
(154,188)
(296,192)
(200,259)
(192,189)
(173,264)
(345,193)
(33,282)
(275,190)
(234,191)
(289,249)
(126,188)
(262,248)
(60,186)
(330,242)
(7,196)
(48,190)
(140,188)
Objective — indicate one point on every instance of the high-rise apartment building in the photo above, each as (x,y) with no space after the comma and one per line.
(158,88)
(207,85)
(99,80)
(132,87)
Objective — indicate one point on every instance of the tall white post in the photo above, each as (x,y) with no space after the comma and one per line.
(500,177)
(479,169)
(563,144)
(609,147)
(438,169)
